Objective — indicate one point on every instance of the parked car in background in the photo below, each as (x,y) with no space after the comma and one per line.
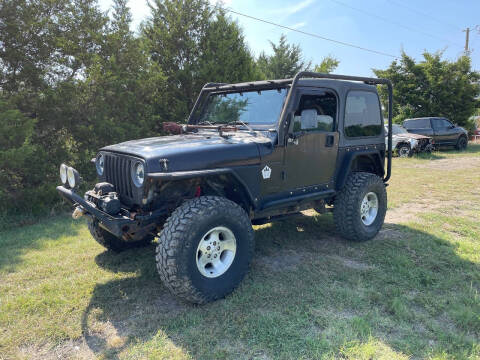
(443,132)
(405,144)
(477,131)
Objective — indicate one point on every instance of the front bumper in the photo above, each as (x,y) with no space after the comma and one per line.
(119,225)
(423,145)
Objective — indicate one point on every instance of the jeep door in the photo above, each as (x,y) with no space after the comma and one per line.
(311,150)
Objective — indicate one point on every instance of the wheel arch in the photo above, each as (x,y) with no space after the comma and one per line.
(362,161)
(400,143)
(223,182)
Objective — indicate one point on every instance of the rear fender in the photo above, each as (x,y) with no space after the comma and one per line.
(362,160)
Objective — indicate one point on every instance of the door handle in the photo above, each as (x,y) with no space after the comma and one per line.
(329,141)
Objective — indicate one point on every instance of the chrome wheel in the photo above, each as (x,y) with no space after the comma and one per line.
(369,208)
(404,151)
(216,252)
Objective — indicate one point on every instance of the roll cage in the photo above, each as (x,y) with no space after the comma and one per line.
(293,83)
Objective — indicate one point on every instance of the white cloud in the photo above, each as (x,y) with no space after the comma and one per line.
(298,25)
(293,9)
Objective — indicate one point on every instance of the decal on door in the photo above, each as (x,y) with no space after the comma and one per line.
(266,172)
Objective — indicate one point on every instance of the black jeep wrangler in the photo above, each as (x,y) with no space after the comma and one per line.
(250,153)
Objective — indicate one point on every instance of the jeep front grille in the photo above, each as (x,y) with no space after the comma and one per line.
(118,173)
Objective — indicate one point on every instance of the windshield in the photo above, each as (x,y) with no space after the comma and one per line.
(252,107)
(397,130)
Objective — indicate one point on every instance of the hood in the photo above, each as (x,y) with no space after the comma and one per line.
(411,136)
(198,151)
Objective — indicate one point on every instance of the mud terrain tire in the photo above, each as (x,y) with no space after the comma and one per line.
(181,238)
(347,212)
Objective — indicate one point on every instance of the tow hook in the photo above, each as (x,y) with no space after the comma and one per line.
(78,213)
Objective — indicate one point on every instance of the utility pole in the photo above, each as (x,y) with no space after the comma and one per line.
(467,36)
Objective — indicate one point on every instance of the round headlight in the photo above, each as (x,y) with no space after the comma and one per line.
(63,174)
(71,178)
(100,164)
(138,174)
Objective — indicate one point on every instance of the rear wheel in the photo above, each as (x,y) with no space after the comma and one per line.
(360,207)
(111,242)
(205,249)
(461,143)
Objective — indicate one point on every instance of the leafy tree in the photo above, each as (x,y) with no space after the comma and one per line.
(285,62)
(120,91)
(16,153)
(45,47)
(432,87)
(173,34)
(194,43)
(328,65)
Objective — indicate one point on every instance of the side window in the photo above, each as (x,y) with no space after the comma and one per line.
(424,124)
(440,123)
(316,113)
(447,123)
(362,114)
(436,123)
(417,124)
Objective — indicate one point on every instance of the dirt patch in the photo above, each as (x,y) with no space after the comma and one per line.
(350,263)
(68,350)
(280,261)
(409,211)
(405,213)
(450,164)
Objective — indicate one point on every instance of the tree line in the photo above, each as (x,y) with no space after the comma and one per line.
(74,79)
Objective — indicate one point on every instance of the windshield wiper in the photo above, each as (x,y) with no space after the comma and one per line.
(204,122)
(240,122)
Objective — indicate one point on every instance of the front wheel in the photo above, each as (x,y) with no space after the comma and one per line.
(360,207)
(205,249)
(404,151)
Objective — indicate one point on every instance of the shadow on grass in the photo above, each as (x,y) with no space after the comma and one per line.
(408,288)
(14,242)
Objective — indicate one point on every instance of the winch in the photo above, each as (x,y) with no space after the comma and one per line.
(105,197)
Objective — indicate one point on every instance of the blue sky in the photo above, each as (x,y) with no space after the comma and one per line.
(413,26)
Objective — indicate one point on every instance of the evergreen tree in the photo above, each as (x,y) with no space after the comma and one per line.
(328,65)
(193,44)
(45,47)
(225,56)
(174,34)
(285,62)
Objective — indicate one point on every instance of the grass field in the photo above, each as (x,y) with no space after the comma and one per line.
(412,292)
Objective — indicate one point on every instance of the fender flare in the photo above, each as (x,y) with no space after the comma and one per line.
(346,165)
(183,175)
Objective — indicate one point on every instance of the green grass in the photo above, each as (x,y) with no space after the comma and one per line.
(413,292)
